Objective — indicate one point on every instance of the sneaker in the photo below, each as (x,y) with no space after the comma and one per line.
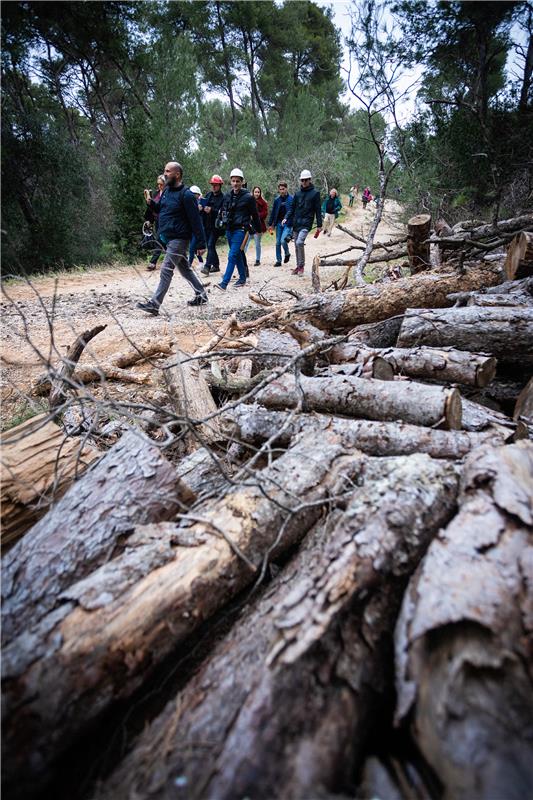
(220,286)
(214,269)
(199,300)
(150,267)
(286,259)
(257,263)
(239,284)
(150,308)
(297,271)
(277,264)
(205,270)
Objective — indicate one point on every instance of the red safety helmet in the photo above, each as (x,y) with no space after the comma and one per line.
(216,179)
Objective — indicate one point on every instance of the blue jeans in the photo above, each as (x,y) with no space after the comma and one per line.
(235,239)
(257,238)
(282,231)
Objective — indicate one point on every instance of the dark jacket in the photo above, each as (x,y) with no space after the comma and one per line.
(151,214)
(242,211)
(179,217)
(214,201)
(280,209)
(305,206)
(335,206)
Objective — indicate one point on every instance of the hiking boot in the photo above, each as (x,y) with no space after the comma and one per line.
(257,263)
(150,308)
(286,259)
(297,271)
(213,269)
(239,284)
(205,270)
(277,264)
(199,300)
(220,286)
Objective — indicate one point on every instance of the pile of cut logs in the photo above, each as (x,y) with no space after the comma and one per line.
(359,477)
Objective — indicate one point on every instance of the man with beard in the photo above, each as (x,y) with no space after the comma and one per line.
(179,219)
(305,207)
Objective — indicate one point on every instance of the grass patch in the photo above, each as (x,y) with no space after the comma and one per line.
(23,412)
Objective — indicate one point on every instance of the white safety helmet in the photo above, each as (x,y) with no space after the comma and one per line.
(195,190)
(236,173)
(305,174)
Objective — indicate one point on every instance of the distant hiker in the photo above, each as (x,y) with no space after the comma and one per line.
(152,217)
(211,205)
(377,200)
(367,197)
(262,210)
(238,214)
(352,195)
(280,209)
(197,192)
(305,207)
(179,219)
(331,208)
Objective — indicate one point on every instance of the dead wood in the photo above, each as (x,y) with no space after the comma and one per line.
(463,642)
(372,399)
(368,365)
(132,484)
(478,417)
(191,399)
(519,260)
(74,352)
(418,228)
(510,299)
(286,704)
(524,404)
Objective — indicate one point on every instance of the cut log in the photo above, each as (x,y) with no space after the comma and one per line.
(278,347)
(511,299)
(372,399)
(480,418)
(524,404)
(132,484)
(445,364)
(464,639)
(378,334)
(116,625)
(525,286)
(287,703)
(418,228)
(368,364)
(519,260)
(38,464)
(192,399)
(506,333)
(255,425)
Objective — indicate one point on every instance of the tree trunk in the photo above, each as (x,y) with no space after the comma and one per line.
(463,642)
(378,334)
(132,484)
(480,418)
(278,348)
(116,625)
(192,399)
(368,365)
(286,705)
(519,261)
(254,425)
(524,286)
(510,299)
(506,333)
(417,249)
(446,364)
(372,399)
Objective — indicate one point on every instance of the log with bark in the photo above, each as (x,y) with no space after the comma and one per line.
(506,333)
(117,624)
(372,399)
(38,464)
(132,484)
(367,364)
(191,399)
(418,228)
(287,703)
(464,639)
(519,260)
(524,404)
(524,286)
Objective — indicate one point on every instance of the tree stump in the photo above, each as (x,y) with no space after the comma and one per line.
(519,260)
(418,228)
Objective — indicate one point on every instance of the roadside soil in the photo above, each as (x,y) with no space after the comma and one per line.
(41,317)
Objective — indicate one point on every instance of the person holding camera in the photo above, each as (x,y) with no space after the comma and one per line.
(212,203)
(280,209)
(238,215)
(305,207)
(179,219)
(151,218)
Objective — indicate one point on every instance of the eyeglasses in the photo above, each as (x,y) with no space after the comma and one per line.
(305,180)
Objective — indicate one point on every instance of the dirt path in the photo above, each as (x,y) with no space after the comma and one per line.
(73,302)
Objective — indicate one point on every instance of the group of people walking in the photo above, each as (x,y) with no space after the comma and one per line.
(190,225)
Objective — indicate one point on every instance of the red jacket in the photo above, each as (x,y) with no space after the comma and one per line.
(262,210)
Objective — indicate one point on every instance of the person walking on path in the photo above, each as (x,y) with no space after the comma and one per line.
(239,212)
(280,209)
(305,207)
(197,192)
(262,210)
(179,219)
(152,217)
(331,208)
(367,196)
(211,205)
(352,194)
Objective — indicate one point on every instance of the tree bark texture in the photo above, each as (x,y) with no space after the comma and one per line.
(286,704)
(418,228)
(480,418)
(519,260)
(373,399)
(378,334)
(511,299)
(369,365)
(524,286)
(255,425)
(192,398)
(445,364)
(506,333)
(133,484)
(524,404)
(464,638)
(115,626)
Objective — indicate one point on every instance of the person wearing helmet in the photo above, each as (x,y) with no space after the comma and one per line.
(211,205)
(179,219)
(239,212)
(305,207)
(197,192)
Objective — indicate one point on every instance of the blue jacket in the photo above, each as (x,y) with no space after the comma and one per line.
(305,206)
(337,206)
(179,217)
(274,213)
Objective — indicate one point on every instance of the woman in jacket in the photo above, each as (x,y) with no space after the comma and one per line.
(331,208)
(262,210)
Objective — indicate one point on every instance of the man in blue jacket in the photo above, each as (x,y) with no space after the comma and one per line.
(305,207)
(280,209)
(179,219)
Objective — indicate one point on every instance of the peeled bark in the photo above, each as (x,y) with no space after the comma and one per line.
(506,333)
(286,705)
(254,425)
(464,639)
(418,228)
(133,484)
(372,399)
(115,626)
(446,364)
